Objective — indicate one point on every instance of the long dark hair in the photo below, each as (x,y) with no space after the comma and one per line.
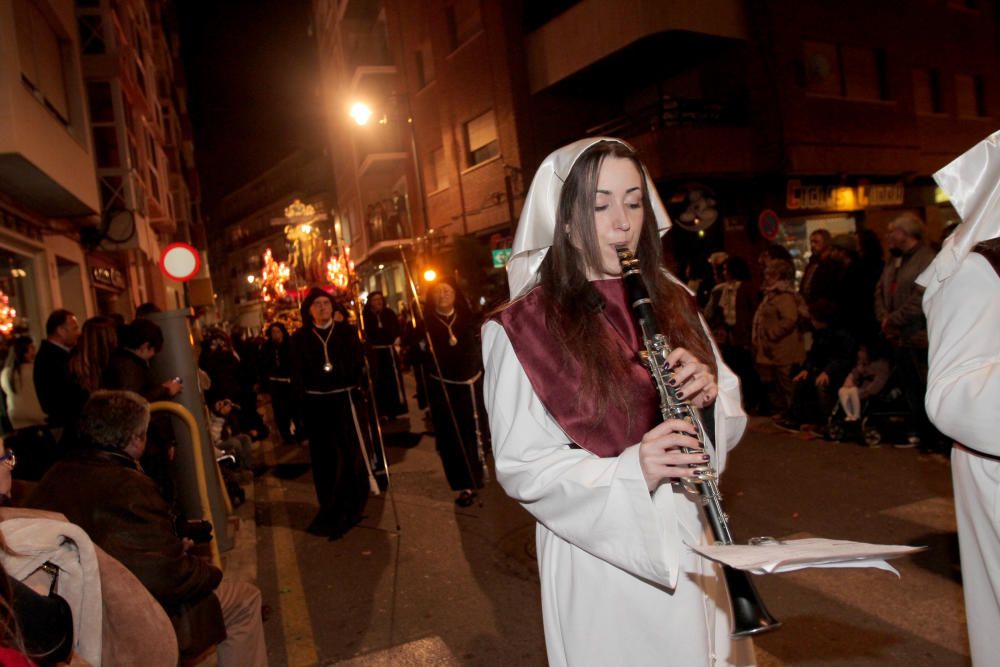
(19,357)
(569,297)
(98,340)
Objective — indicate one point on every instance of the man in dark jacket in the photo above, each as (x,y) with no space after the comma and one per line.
(103,490)
(51,372)
(129,368)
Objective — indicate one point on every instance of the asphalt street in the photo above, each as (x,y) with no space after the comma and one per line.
(423,582)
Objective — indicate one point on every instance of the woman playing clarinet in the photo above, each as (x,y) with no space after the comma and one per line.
(576,427)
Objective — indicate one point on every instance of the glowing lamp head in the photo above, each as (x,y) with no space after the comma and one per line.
(361,113)
(430,275)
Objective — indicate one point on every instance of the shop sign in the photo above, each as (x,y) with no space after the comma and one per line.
(500,257)
(801,196)
(104,275)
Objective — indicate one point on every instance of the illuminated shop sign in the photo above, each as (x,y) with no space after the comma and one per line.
(801,196)
(107,276)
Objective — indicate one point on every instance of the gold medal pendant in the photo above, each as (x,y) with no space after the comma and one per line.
(327,367)
(452,340)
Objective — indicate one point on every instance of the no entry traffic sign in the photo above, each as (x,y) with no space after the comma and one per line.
(180,262)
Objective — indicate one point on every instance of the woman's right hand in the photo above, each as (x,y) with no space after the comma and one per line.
(660,457)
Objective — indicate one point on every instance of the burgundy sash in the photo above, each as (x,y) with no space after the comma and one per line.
(556,378)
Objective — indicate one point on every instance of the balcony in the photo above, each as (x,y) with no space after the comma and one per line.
(684,136)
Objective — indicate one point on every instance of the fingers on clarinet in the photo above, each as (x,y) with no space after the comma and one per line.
(678,426)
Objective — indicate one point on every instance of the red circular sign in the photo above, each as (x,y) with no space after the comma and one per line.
(180,262)
(769,224)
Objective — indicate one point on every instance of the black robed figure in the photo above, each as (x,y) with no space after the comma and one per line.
(382,331)
(327,368)
(455,388)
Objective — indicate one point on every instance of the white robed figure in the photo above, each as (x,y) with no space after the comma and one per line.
(962,304)
(575,437)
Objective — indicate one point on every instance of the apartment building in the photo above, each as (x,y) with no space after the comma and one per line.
(48,187)
(438,168)
(760,120)
(149,193)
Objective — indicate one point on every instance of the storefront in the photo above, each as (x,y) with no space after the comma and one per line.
(108,280)
(22,273)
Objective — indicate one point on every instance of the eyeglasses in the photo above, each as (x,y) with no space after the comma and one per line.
(9,459)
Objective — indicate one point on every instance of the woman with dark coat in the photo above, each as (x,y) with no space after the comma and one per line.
(455,389)
(276,379)
(327,368)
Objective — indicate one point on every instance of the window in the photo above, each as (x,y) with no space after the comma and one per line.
(481,139)
(41,53)
(822,68)
(425,63)
(464,21)
(864,73)
(437,171)
(91,28)
(927,91)
(855,73)
(970,96)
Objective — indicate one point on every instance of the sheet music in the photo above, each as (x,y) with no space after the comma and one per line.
(774,556)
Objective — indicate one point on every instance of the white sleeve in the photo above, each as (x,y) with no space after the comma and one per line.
(601,505)
(730,418)
(963,380)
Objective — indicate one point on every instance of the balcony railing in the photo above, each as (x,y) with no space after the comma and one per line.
(388,220)
(671,111)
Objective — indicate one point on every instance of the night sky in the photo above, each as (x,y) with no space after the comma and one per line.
(253,79)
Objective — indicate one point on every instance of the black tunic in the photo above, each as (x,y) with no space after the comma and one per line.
(381,331)
(460,376)
(326,399)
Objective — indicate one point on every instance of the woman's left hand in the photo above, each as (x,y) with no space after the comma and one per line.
(694,380)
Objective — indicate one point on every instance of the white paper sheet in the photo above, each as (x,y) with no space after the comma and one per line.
(790,555)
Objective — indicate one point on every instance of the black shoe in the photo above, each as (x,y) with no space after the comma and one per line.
(320,527)
(465,498)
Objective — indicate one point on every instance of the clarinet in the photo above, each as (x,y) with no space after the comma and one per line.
(750,616)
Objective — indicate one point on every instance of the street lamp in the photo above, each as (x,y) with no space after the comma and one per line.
(361,113)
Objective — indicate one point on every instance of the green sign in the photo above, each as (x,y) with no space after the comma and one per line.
(500,258)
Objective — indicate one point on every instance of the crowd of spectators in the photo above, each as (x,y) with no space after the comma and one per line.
(77,415)
(850,329)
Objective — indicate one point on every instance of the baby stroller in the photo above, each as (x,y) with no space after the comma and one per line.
(885,417)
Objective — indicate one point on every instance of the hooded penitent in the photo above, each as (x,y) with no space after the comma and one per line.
(314,293)
(972,182)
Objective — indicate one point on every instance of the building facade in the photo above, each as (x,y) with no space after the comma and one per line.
(48,187)
(438,168)
(149,192)
(251,220)
(760,120)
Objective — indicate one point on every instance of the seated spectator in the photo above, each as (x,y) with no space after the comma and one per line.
(827,363)
(866,380)
(224,427)
(104,491)
(138,342)
(18,381)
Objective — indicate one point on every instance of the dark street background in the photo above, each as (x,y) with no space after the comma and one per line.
(460,587)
